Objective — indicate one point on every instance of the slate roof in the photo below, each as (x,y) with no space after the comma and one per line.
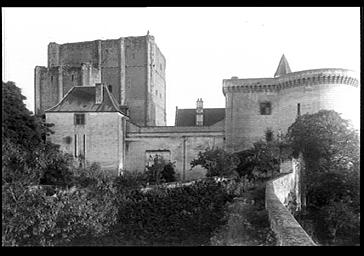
(82,99)
(283,67)
(187,117)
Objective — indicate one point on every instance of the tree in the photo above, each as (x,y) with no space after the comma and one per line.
(160,171)
(25,133)
(330,181)
(19,125)
(262,159)
(326,141)
(217,162)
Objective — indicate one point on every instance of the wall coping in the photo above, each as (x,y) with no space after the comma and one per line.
(290,80)
(288,231)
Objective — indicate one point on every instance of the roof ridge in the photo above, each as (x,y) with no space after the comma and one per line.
(64,97)
(112,99)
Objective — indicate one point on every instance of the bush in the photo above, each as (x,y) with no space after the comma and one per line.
(37,219)
(217,162)
(260,161)
(165,216)
(160,171)
(31,217)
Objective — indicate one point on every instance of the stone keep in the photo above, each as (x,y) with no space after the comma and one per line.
(133,68)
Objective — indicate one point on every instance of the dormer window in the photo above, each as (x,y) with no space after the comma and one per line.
(265,108)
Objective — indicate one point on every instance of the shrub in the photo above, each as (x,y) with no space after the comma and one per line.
(217,162)
(37,219)
(165,216)
(31,217)
(160,171)
(260,161)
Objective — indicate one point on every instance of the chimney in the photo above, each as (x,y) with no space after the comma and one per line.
(99,93)
(199,112)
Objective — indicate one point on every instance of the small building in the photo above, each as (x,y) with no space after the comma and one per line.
(90,125)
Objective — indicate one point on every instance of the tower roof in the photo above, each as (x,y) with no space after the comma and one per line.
(283,67)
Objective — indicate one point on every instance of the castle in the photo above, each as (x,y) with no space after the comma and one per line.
(107,100)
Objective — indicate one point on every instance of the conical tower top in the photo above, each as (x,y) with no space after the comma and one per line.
(283,67)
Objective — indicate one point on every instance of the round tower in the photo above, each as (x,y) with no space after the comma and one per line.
(257,106)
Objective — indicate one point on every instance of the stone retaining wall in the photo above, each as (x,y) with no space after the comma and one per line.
(286,228)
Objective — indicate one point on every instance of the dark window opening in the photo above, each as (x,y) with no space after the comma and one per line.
(265,108)
(75,145)
(268,135)
(298,109)
(84,146)
(51,78)
(73,77)
(79,119)
(110,88)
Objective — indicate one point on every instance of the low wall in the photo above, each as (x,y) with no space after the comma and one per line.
(286,228)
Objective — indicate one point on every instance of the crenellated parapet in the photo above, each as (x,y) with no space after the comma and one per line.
(295,79)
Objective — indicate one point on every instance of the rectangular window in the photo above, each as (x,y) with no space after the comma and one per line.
(268,135)
(151,154)
(51,78)
(110,88)
(84,146)
(265,108)
(79,119)
(298,109)
(73,78)
(75,145)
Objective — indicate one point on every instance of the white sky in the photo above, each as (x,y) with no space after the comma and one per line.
(202,46)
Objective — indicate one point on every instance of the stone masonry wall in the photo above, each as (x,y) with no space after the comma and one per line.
(103,133)
(286,228)
(313,90)
(183,146)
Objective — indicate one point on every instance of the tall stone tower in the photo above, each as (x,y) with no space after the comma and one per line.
(132,68)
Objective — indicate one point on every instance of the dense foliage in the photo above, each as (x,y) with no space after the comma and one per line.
(19,126)
(33,215)
(160,171)
(24,143)
(170,215)
(217,162)
(260,161)
(330,149)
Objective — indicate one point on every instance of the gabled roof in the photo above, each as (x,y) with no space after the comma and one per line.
(283,67)
(82,99)
(187,117)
